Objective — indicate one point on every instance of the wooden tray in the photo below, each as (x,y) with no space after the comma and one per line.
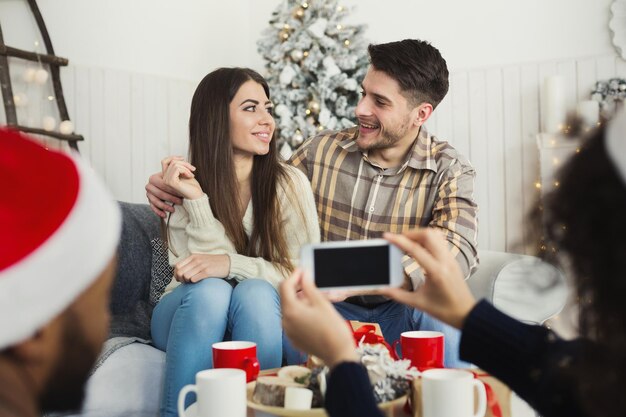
(391,408)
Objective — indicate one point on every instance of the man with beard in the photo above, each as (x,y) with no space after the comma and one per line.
(388,174)
(60,230)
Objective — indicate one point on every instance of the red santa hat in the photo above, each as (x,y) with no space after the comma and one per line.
(59,228)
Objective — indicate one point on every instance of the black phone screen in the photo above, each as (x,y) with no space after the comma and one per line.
(350,267)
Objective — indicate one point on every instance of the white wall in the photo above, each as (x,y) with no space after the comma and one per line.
(484,33)
(185,39)
(174,39)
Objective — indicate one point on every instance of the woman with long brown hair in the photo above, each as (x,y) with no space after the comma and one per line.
(237,234)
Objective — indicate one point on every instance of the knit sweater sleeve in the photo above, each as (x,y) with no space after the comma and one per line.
(349,392)
(530,359)
(194,229)
(300,226)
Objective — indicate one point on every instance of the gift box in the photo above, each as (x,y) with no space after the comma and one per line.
(367,332)
(370,333)
(498,395)
(370,327)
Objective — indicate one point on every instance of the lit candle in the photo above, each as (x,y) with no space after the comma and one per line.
(553,104)
(589,111)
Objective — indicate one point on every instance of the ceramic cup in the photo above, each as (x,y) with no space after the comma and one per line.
(450,393)
(298,398)
(423,348)
(219,392)
(237,354)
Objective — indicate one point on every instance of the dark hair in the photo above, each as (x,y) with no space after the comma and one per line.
(210,151)
(585,220)
(416,65)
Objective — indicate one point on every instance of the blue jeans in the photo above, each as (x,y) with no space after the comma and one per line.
(187,321)
(393,318)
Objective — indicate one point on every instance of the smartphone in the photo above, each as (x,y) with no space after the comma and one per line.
(353,264)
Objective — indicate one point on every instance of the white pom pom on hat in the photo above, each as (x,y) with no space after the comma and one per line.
(59,229)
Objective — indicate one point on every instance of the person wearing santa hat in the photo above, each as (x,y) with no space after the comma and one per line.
(59,230)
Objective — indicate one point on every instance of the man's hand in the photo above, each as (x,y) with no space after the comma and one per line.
(312,323)
(199,266)
(160,196)
(444,294)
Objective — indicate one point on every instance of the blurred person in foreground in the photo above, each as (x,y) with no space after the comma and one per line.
(584,221)
(59,230)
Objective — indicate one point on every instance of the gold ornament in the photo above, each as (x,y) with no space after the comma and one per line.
(314,106)
(299,13)
(283,35)
(305,53)
(305,5)
(346,42)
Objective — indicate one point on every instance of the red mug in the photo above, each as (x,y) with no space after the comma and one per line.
(423,348)
(239,355)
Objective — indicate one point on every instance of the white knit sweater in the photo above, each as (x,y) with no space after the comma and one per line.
(194,229)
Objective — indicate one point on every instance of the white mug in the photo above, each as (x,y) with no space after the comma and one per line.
(297,398)
(219,392)
(450,393)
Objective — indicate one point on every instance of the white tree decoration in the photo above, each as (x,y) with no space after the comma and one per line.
(315,65)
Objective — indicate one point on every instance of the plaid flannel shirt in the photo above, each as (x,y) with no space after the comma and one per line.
(357,199)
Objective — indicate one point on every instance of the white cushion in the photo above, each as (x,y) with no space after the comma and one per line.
(128,383)
(522,286)
(530,290)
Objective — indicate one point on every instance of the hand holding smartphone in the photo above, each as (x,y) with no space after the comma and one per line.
(353,264)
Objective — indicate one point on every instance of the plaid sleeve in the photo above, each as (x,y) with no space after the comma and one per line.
(455,214)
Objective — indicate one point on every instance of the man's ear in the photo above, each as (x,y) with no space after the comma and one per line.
(422,113)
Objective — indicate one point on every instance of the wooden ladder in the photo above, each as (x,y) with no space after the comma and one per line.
(53,61)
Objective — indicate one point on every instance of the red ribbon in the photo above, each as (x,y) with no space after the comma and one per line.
(492,400)
(367,334)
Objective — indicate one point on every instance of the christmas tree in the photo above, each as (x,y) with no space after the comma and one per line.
(315,65)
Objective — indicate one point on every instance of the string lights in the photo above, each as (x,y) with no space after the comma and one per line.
(38,76)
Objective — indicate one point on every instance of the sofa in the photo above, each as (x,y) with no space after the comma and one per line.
(127,378)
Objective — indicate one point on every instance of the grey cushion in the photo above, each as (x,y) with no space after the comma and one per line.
(130,300)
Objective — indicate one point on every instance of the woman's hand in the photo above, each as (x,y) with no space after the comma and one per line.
(444,294)
(199,266)
(312,323)
(178,175)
